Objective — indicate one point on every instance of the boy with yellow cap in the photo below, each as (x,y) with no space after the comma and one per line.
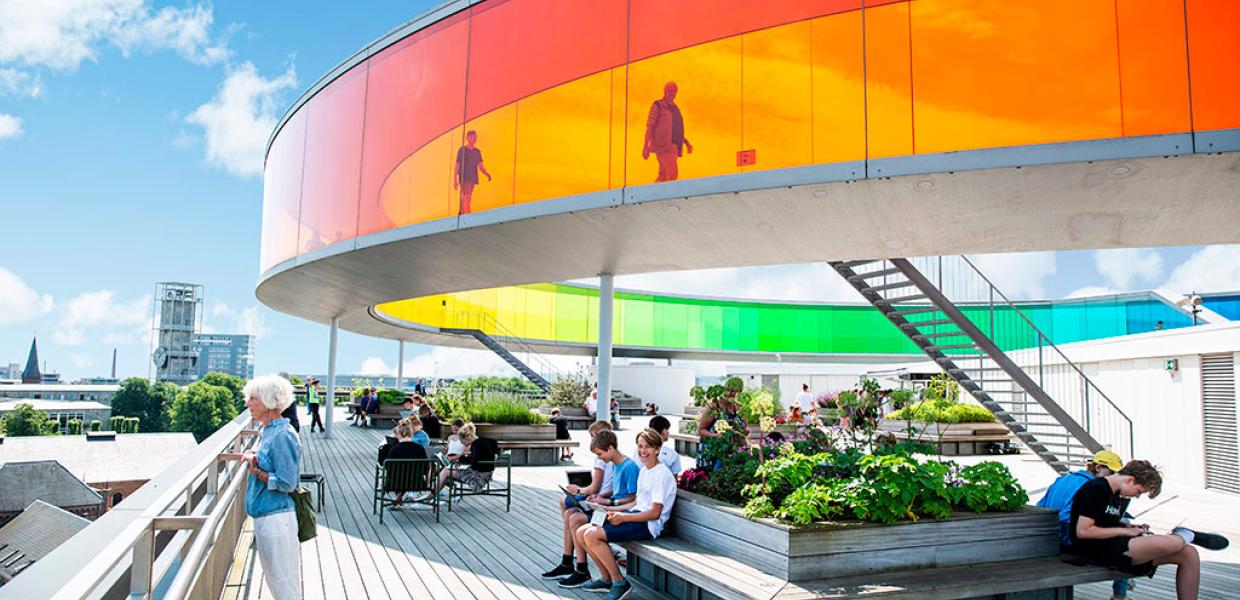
(1059,497)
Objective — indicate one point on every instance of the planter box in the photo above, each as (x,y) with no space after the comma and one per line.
(846,549)
(516,432)
(952,439)
(686,443)
(693,411)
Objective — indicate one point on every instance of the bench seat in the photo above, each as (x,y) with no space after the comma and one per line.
(681,569)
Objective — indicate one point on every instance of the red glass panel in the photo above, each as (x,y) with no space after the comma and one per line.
(282,192)
(333,162)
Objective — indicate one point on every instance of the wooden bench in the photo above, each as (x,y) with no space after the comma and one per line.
(682,570)
(526,453)
(577,417)
(388,417)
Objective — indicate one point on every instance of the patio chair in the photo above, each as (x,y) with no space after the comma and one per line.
(405,475)
(494,487)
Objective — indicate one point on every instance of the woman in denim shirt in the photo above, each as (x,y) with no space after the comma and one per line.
(274,473)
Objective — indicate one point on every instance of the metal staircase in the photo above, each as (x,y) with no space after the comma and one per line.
(950,310)
(476,326)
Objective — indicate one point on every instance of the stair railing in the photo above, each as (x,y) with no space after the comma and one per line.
(507,338)
(1018,337)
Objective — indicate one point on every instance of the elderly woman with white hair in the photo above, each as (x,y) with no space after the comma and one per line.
(274,474)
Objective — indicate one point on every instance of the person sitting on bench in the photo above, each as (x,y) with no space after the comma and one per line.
(430,422)
(1099,535)
(667,453)
(476,463)
(1059,497)
(642,519)
(405,447)
(605,447)
(419,436)
(600,487)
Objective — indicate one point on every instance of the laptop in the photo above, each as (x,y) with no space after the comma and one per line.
(581,478)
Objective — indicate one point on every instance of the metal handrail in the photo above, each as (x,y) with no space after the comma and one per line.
(162,529)
(482,321)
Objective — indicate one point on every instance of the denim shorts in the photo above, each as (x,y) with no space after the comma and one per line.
(570,505)
(629,531)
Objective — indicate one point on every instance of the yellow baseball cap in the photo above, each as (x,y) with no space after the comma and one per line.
(1109,460)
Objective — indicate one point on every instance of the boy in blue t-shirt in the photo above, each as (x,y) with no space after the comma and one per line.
(623,491)
(1059,497)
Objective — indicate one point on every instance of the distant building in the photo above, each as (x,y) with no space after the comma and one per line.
(178,307)
(115,466)
(225,353)
(31,373)
(40,528)
(11,372)
(62,411)
(97,381)
(21,483)
(59,391)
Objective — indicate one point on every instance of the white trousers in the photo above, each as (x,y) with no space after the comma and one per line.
(279,552)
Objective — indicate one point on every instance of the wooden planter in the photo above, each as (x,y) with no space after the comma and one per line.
(504,433)
(846,549)
(686,443)
(952,439)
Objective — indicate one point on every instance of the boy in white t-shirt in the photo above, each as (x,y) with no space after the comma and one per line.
(807,403)
(667,452)
(599,489)
(640,520)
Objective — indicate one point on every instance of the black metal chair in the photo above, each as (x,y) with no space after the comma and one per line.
(405,476)
(503,460)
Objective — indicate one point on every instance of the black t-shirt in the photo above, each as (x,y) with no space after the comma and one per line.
(561,428)
(467,160)
(430,424)
(481,455)
(407,450)
(1096,501)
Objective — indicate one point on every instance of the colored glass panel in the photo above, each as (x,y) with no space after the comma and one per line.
(563,140)
(282,193)
(332,163)
(495,136)
(1153,66)
(989,73)
(571,324)
(838,82)
(888,84)
(1213,48)
(417,96)
(777,120)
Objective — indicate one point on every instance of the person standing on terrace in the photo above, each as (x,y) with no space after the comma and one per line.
(665,134)
(274,474)
(468,164)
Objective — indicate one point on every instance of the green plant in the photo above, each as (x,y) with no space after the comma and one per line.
(816,502)
(75,427)
(51,427)
(734,385)
(943,388)
(714,450)
(503,411)
(25,420)
(726,482)
(900,398)
(938,411)
(698,393)
(95,425)
(756,404)
(688,426)
(115,423)
(569,390)
(988,486)
(390,397)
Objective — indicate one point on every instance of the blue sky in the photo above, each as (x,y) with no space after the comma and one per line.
(131,135)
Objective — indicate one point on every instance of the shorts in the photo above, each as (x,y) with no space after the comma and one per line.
(476,480)
(1110,553)
(579,498)
(630,531)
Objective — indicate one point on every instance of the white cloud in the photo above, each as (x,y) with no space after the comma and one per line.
(81,361)
(1091,290)
(60,35)
(1213,268)
(1018,275)
(238,120)
(20,83)
(18,302)
(799,282)
(10,126)
(375,366)
(249,320)
(101,316)
(1123,267)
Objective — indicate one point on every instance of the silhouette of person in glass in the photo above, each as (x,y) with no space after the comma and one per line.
(665,134)
(468,163)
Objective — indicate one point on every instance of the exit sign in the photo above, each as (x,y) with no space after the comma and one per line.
(1172,364)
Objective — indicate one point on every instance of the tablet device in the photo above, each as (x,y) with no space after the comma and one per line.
(598,518)
(573,502)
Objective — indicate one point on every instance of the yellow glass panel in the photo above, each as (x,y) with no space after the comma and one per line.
(420,189)
(497,140)
(777,87)
(563,139)
(539,312)
(888,90)
(510,309)
(839,88)
(708,78)
(619,96)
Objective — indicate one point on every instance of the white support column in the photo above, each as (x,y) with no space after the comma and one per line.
(400,367)
(331,378)
(606,298)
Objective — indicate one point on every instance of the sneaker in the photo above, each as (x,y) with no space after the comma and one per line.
(618,590)
(577,579)
(1210,541)
(597,585)
(558,572)
(420,496)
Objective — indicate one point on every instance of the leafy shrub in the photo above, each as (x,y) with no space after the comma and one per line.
(727,482)
(688,426)
(988,486)
(502,411)
(734,385)
(900,398)
(569,390)
(393,397)
(95,425)
(936,411)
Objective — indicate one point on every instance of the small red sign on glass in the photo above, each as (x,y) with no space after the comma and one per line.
(745,158)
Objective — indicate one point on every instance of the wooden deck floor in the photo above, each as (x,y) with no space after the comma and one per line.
(478,551)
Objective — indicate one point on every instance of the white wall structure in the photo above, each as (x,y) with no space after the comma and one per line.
(667,387)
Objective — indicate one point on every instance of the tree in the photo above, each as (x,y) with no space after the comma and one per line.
(233,383)
(25,421)
(149,403)
(201,409)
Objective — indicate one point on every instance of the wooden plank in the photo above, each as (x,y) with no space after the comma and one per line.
(1035,523)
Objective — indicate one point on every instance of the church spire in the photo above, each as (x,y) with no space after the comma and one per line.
(32,374)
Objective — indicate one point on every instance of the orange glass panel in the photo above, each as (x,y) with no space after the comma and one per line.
(1153,66)
(999,73)
(838,88)
(420,188)
(619,97)
(708,77)
(496,139)
(563,140)
(518,47)
(333,162)
(658,26)
(1214,53)
(416,93)
(889,102)
(282,192)
(777,121)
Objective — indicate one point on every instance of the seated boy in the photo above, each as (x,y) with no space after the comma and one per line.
(606,448)
(1098,534)
(600,488)
(1059,497)
(667,453)
(642,519)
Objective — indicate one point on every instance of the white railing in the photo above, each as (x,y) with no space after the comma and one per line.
(173,538)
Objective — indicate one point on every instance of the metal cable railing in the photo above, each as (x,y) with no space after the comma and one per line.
(505,337)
